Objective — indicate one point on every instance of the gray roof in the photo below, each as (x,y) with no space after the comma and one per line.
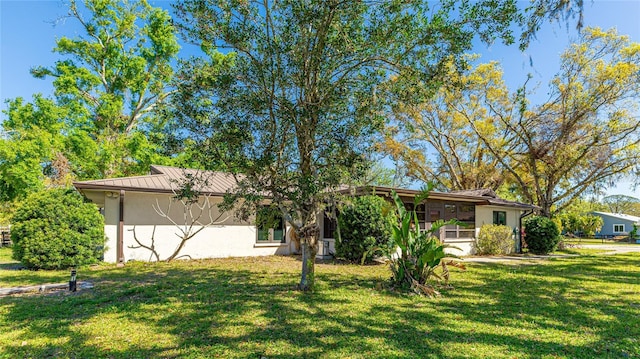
(626,217)
(480,192)
(165,179)
(483,196)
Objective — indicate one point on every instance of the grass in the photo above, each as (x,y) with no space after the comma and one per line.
(577,307)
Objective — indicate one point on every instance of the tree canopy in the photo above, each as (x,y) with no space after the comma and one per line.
(586,134)
(108,83)
(433,141)
(304,85)
(619,203)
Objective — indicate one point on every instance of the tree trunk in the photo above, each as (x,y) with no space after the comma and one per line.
(309,251)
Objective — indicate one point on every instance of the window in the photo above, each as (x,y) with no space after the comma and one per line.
(500,217)
(464,213)
(434,215)
(421,212)
(450,211)
(467,213)
(329,225)
(618,228)
(270,226)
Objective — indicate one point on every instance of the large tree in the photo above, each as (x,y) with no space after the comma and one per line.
(305,84)
(30,148)
(586,134)
(101,121)
(432,141)
(619,203)
(111,77)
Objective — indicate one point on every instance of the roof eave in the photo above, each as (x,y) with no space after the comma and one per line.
(102,187)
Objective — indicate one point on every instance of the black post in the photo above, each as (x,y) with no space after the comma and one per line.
(72,282)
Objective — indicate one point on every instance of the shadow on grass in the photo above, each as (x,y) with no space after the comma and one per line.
(591,304)
(252,310)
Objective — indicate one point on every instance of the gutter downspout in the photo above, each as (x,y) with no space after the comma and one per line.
(522,216)
(120,243)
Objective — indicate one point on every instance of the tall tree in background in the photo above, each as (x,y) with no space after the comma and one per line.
(433,141)
(31,148)
(111,78)
(307,83)
(586,134)
(622,204)
(101,122)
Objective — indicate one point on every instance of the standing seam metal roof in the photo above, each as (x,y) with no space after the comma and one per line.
(165,179)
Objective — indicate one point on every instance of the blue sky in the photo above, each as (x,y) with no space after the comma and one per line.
(28,30)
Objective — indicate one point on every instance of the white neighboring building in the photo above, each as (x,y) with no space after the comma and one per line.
(130,218)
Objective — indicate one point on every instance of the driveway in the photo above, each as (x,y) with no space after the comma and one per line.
(613,248)
(609,248)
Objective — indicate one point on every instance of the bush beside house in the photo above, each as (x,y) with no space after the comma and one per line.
(495,239)
(363,226)
(541,235)
(56,229)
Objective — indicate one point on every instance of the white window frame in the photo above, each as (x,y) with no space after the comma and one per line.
(619,225)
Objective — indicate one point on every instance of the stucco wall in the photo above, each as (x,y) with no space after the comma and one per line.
(228,237)
(484,215)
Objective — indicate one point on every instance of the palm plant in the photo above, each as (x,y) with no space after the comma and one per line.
(421,259)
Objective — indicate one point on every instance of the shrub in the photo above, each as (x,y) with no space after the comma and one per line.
(542,235)
(56,229)
(363,226)
(495,239)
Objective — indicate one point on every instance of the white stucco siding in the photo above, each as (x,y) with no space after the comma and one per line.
(139,210)
(461,247)
(227,237)
(111,216)
(484,215)
(212,242)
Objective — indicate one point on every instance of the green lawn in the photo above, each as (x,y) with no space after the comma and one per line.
(580,307)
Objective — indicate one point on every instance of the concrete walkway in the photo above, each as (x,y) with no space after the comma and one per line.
(613,248)
(514,258)
(609,248)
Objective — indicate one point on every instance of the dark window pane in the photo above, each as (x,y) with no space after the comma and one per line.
(467,212)
(449,211)
(329,225)
(500,218)
(270,225)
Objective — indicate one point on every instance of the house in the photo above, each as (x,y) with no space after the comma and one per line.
(142,217)
(616,224)
(474,208)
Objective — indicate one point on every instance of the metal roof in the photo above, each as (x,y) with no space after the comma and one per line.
(165,179)
(483,196)
(626,217)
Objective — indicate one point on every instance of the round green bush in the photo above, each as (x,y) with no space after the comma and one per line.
(56,229)
(541,235)
(495,239)
(363,226)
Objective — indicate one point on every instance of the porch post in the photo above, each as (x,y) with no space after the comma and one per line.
(120,243)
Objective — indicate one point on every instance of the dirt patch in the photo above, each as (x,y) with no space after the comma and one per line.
(43,288)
